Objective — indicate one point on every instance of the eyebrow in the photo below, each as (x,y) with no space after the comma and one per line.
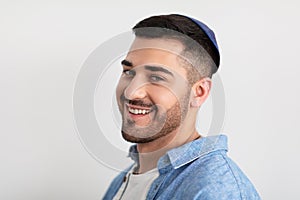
(127,63)
(148,67)
(160,69)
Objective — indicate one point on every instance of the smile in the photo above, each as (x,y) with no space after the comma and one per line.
(136,110)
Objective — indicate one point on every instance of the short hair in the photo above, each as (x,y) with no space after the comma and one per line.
(198,47)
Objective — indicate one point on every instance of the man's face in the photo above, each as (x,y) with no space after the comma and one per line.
(153,92)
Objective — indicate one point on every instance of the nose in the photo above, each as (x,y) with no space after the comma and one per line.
(136,89)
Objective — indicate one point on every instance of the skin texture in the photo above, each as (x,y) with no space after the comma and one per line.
(154,80)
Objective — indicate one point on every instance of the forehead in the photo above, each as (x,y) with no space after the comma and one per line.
(163,52)
(171,45)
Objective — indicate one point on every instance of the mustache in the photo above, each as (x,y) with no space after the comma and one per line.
(136,102)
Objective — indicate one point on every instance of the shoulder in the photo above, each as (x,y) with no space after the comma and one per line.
(216,176)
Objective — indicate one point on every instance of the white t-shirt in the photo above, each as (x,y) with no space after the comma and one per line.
(136,186)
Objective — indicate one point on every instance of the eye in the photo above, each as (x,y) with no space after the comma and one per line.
(156,78)
(128,72)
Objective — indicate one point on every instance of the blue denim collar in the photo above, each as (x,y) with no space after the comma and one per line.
(186,153)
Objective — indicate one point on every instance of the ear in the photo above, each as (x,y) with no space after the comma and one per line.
(200,91)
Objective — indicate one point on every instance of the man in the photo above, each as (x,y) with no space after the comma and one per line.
(166,78)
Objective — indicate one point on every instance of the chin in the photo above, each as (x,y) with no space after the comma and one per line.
(133,139)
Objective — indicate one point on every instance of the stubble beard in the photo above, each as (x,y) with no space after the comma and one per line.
(162,124)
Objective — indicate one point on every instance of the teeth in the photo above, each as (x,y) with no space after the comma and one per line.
(138,111)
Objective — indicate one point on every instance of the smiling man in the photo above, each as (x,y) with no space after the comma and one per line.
(166,78)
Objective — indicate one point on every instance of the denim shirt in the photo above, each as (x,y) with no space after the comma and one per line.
(199,169)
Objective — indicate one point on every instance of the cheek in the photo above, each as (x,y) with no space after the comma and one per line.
(120,89)
(167,97)
(163,97)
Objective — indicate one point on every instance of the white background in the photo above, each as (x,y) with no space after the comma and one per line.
(44,44)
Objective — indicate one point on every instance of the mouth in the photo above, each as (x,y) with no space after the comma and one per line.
(138,110)
(140,115)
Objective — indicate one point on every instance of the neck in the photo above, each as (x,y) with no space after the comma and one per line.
(149,153)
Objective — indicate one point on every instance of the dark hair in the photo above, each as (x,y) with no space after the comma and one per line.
(206,57)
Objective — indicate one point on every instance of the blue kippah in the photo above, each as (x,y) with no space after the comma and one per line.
(207,31)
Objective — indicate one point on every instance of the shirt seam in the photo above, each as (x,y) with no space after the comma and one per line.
(235,178)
